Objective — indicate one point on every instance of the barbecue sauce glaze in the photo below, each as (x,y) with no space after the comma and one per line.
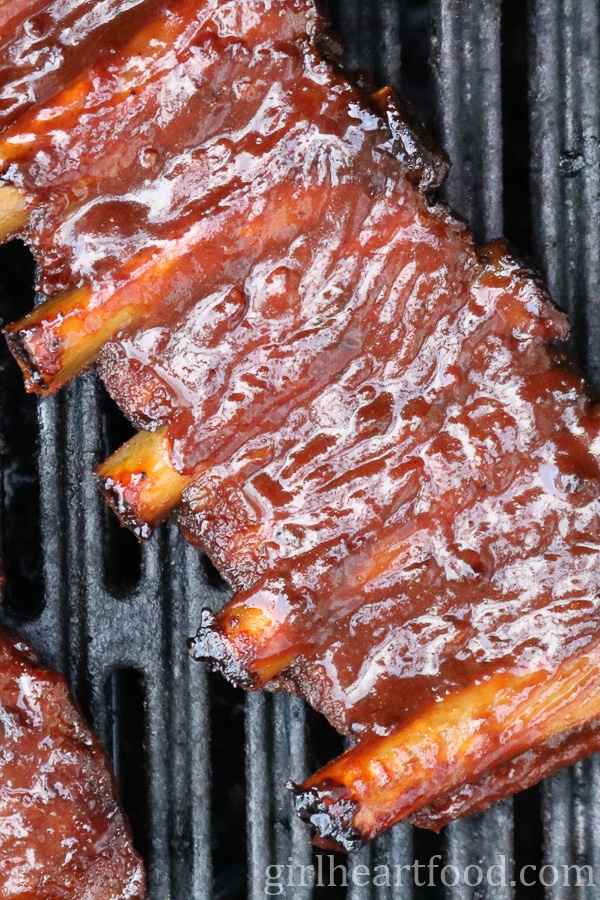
(394,463)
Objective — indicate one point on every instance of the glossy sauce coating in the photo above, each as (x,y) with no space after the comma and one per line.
(466,493)
(239,366)
(299,160)
(152,111)
(62,833)
(369,447)
(389,453)
(246,356)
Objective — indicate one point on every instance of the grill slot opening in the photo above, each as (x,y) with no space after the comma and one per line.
(23,590)
(528,841)
(426,846)
(515,122)
(122,553)
(214,578)
(417,82)
(126,704)
(228,795)
(324,742)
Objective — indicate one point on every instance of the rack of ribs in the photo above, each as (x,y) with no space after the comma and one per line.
(62,832)
(370,424)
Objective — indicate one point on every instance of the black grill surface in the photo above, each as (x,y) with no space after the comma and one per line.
(512,91)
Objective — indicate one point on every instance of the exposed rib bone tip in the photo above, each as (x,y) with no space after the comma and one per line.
(140,483)
(14,214)
(116,499)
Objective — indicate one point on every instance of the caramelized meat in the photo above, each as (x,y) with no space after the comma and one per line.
(62,832)
(426,495)
(401,418)
(242,365)
(366,421)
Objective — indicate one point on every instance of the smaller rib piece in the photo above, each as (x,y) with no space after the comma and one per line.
(61,831)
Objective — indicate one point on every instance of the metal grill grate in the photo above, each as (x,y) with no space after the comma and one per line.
(116,621)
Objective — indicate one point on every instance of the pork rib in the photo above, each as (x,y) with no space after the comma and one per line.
(368,423)
(62,834)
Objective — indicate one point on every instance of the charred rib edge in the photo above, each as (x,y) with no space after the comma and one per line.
(35,382)
(330,811)
(209,646)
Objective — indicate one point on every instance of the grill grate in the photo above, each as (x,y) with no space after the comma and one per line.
(116,620)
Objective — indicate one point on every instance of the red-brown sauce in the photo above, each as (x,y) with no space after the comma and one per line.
(43,45)
(62,833)
(391,455)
